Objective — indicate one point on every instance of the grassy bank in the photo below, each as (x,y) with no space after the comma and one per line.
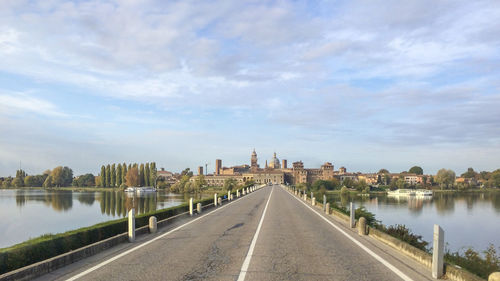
(51,245)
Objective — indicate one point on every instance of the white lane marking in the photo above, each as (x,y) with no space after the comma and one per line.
(246,262)
(377,257)
(146,243)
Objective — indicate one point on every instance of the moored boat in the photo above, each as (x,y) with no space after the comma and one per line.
(402,192)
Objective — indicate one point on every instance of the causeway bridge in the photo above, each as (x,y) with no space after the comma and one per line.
(268,234)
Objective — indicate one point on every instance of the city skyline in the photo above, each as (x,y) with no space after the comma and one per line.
(366,86)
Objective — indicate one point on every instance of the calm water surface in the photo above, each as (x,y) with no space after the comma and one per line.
(28,214)
(469,220)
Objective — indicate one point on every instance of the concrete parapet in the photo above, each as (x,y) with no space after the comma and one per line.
(362,226)
(153,224)
(495,276)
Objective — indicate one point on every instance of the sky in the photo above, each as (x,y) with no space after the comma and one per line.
(362,84)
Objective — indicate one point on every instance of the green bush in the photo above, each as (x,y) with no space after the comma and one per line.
(473,262)
(51,245)
(403,233)
(370,217)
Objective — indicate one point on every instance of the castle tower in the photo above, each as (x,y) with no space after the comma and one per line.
(218,166)
(253,160)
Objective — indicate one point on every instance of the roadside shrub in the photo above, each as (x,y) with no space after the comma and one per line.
(51,245)
(473,262)
(403,233)
(370,217)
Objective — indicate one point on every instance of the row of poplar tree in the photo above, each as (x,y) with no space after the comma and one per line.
(116,175)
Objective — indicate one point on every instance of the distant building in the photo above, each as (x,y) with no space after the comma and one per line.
(284,164)
(218,166)
(200,170)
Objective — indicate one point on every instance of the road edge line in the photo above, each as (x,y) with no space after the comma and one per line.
(366,249)
(81,274)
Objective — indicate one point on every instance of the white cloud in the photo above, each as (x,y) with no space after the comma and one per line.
(20,104)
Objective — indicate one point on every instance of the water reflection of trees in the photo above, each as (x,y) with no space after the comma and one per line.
(117,203)
(59,201)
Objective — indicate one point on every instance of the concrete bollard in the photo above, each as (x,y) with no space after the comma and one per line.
(327,209)
(198,208)
(438,252)
(229,195)
(495,276)
(131,225)
(352,216)
(153,224)
(215,199)
(313,201)
(312,196)
(191,206)
(305,196)
(362,226)
(324,202)
(220,201)
(237,193)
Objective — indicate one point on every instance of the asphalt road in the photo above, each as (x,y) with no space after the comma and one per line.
(291,241)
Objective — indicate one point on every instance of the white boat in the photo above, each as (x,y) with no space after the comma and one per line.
(423,192)
(147,189)
(402,192)
(130,189)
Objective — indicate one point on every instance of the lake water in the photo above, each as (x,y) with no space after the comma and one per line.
(26,214)
(468,219)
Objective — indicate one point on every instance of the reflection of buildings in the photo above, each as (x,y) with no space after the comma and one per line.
(273,172)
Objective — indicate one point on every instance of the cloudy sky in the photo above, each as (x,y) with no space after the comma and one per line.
(362,84)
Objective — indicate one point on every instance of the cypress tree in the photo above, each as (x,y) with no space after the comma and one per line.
(141,175)
(124,173)
(113,175)
(119,175)
(152,172)
(147,175)
(108,175)
(103,176)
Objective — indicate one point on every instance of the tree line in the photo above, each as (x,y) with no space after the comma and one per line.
(57,177)
(121,175)
(112,175)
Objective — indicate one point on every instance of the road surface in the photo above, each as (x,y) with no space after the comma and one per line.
(266,235)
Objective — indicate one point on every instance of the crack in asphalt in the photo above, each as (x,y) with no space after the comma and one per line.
(215,258)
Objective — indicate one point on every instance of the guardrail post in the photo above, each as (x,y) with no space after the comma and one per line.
(324,202)
(215,199)
(352,216)
(191,206)
(362,226)
(327,209)
(153,224)
(131,225)
(437,252)
(198,208)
